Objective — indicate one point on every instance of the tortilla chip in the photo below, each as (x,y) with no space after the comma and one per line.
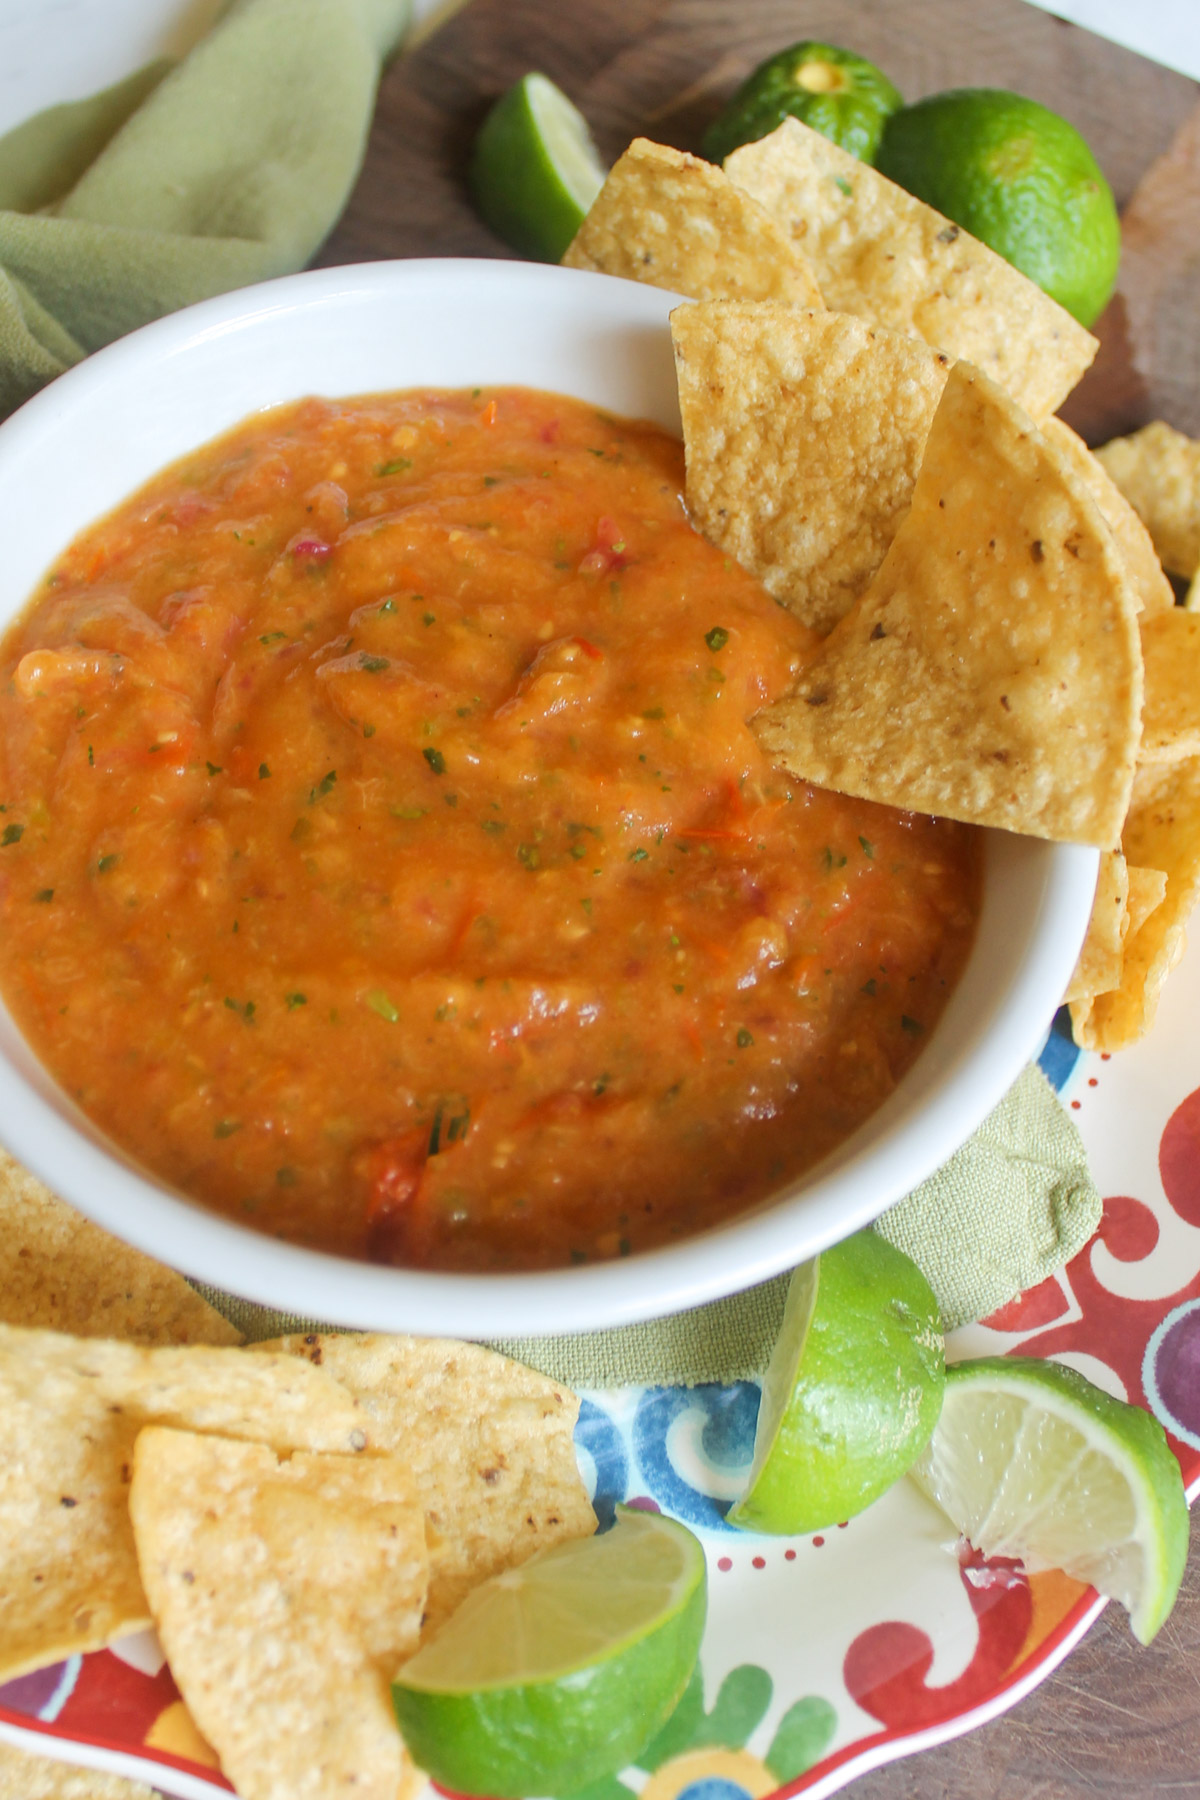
(1158,471)
(1147,889)
(488,1441)
(991,672)
(59,1271)
(1171,713)
(70,1410)
(804,433)
(24,1776)
(1134,543)
(895,262)
(1162,833)
(285,1594)
(1191,600)
(1099,965)
(676,222)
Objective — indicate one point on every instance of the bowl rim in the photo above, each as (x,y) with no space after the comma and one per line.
(880,1163)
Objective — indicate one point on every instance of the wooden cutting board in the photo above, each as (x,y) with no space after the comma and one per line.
(663,68)
(1116,1721)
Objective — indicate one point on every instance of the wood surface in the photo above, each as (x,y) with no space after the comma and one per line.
(663,68)
(1116,1720)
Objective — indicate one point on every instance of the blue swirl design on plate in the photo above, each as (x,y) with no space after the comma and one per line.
(1060,1052)
(693,1448)
(603,1461)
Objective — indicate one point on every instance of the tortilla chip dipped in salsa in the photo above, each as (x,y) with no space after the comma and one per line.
(804,433)
(992,671)
(882,254)
(285,1593)
(675,221)
(435,898)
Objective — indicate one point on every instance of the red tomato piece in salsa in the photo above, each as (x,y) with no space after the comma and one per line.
(387,860)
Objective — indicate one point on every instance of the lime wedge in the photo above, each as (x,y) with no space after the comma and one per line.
(534,169)
(1031,1460)
(558,1672)
(852,1391)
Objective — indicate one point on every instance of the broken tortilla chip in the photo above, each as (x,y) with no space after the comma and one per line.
(61,1272)
(488,1441)
(1162,833)
(804,432)
(1134,543)
(71,1409)
(24,1776)
(992,671)
(286,1595)
(676,222)
(886,256)
(1158,471)
(1099,965)
(1171,713)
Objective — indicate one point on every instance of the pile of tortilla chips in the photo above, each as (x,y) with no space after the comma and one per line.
(868,399)
(294,1518)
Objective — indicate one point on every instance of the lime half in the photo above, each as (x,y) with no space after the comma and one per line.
(1032,1460)
(534,169)
(558,1672)
(852,1392)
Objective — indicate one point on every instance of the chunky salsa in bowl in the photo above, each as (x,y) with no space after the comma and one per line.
(388,865)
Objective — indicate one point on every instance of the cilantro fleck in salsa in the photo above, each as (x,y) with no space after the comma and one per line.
(385,859)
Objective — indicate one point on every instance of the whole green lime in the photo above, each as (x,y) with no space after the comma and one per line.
(835,92)
(1018,177)
(853,1389)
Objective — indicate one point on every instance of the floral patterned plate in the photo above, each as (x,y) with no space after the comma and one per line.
(827,1655)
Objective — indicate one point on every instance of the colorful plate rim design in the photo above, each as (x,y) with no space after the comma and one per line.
(1126,1311)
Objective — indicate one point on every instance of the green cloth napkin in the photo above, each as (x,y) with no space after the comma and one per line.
(184,182)
(1007,1210)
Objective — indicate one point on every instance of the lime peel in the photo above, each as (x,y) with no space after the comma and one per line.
(561,1670)
(534,169)
(1032,1460)
(852,1392)
(834,91)
(1018,177)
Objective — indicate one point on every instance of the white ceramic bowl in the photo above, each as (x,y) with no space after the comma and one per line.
(100,431)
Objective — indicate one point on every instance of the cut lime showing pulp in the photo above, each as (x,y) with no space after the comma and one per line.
(852,1392)
(558,1672)
(534,169)
(1032,1460)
